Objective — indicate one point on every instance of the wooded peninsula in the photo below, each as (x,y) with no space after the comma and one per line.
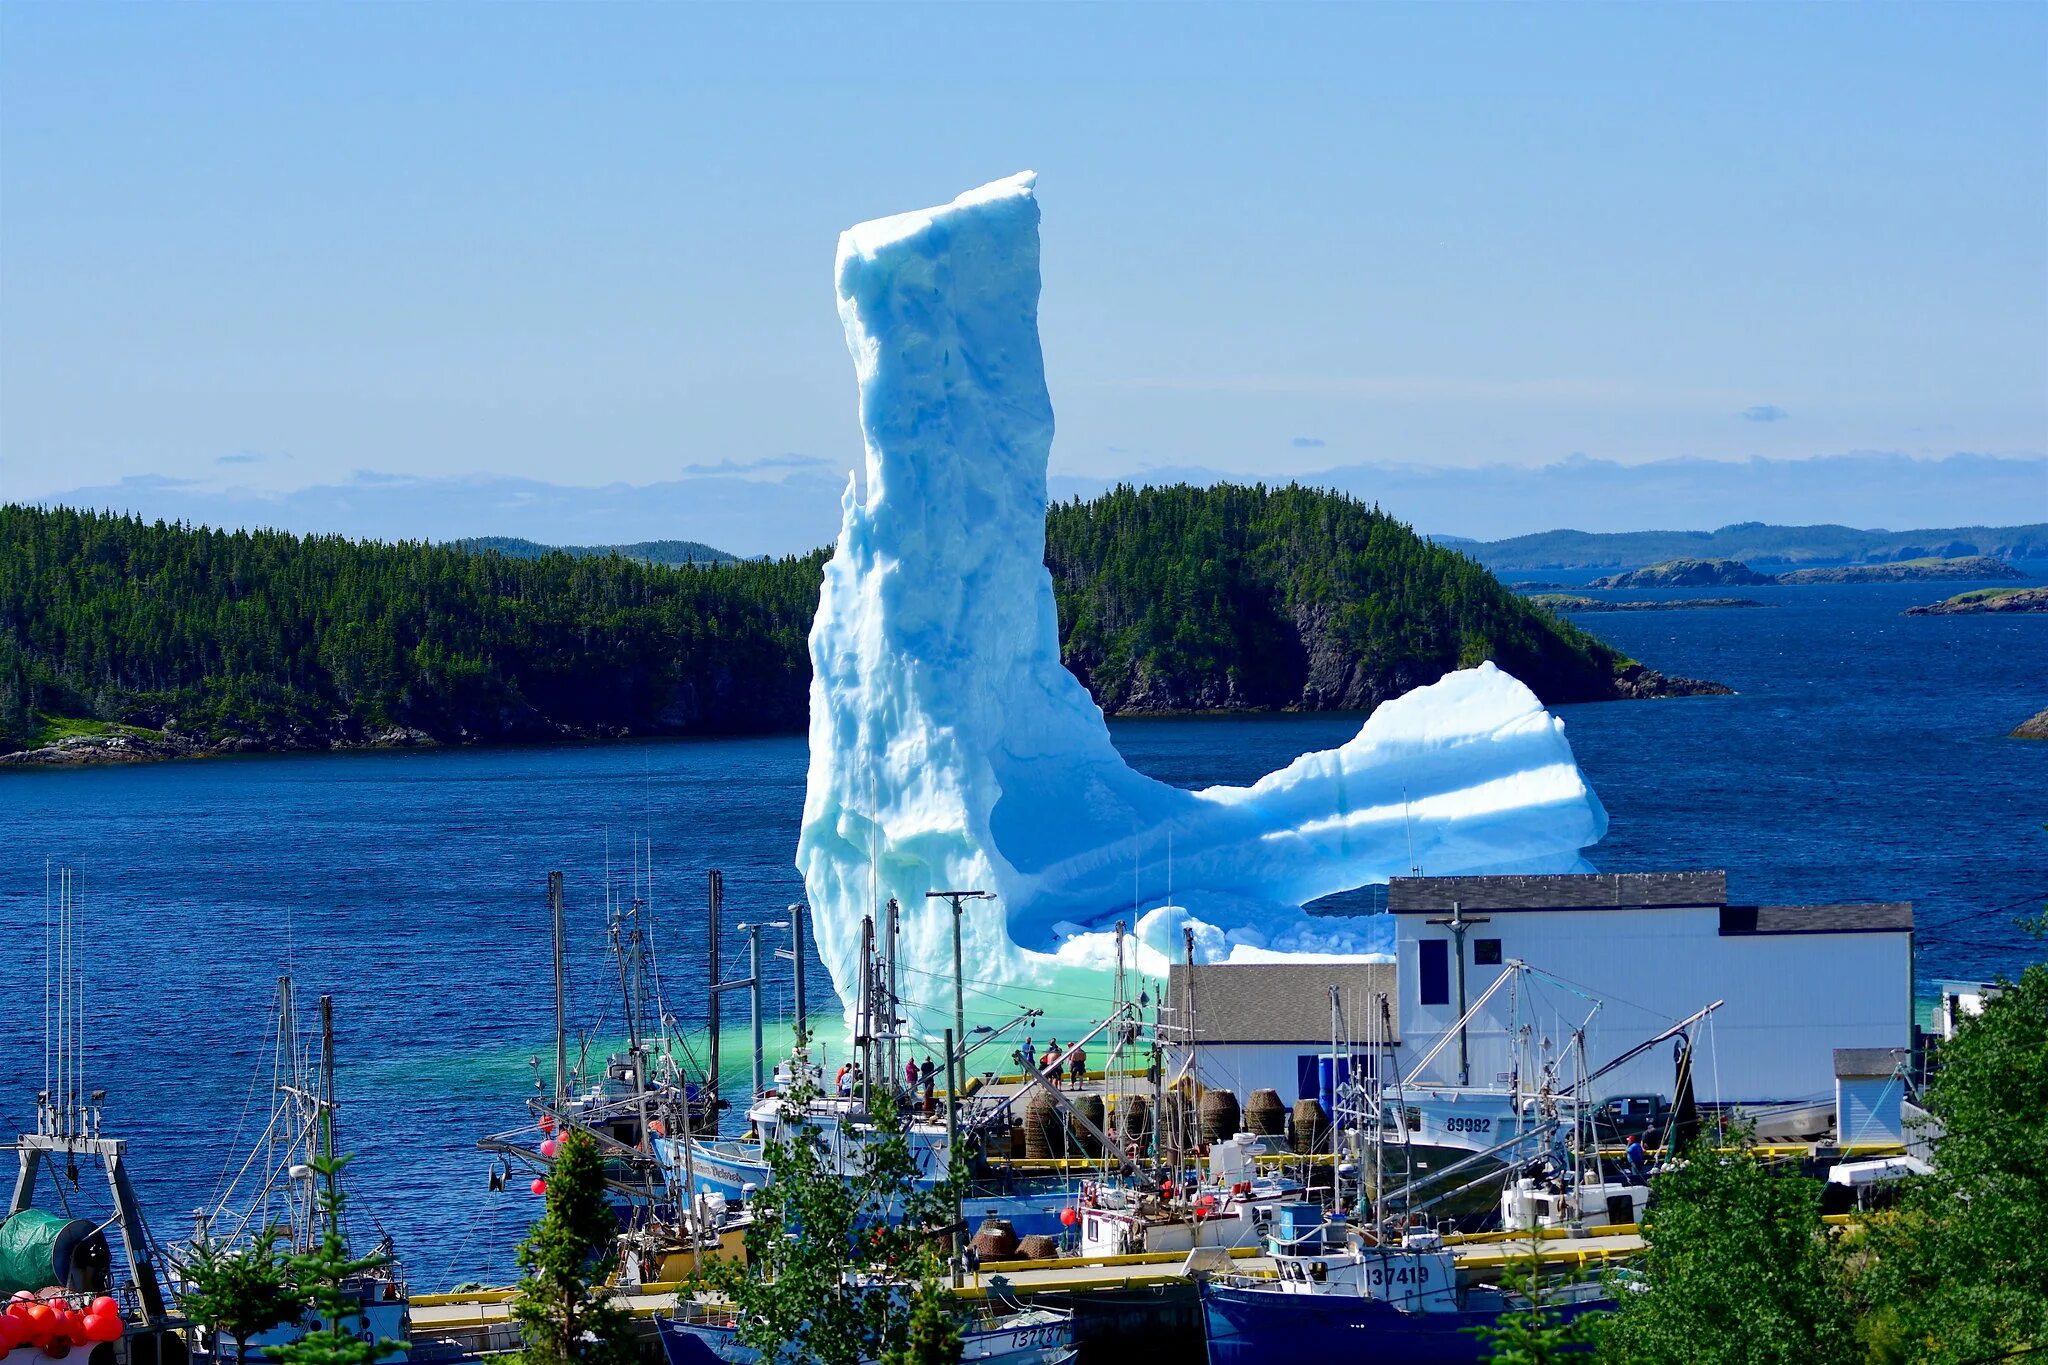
(126,639)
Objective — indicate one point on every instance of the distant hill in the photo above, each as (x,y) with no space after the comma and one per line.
(645,551)
(121,638)
(1906,571)
(1685,573)
(1754,543)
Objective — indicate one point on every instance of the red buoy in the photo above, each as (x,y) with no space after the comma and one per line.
(1067,1217)
(540,1186)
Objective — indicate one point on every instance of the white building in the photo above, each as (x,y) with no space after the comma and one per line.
(1796,983)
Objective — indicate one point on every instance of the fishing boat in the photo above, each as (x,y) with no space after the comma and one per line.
(1341,1295)
(706,1334)
(56,1255)
(278,1189)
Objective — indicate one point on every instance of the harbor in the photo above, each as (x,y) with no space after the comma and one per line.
(1092,1206)
(953,900)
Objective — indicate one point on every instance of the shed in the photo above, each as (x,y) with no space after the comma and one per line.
(1870,1088)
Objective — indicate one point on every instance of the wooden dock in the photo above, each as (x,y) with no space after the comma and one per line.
(483,1317)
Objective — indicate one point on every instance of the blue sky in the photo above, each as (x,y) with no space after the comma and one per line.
(269,245)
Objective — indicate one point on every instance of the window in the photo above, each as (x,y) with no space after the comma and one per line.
(1486,952)
(1433,961)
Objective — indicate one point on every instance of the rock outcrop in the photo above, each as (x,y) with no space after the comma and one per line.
(1987,602)
(1966,567)
(1685,573)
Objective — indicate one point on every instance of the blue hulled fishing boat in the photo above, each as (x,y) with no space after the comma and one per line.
(1338,1296)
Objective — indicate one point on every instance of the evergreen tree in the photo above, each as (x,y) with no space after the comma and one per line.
(241,1293)
(1168,598)
(564,1311)
(1540,1333)
(840,1268)
(328,1280)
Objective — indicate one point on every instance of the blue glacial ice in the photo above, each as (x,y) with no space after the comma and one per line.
(951,749)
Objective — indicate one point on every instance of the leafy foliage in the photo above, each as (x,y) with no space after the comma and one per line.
(242,1292)
(565,1315)
(1169,598)
(830,1256)
(1960,1272)
(1737,1270)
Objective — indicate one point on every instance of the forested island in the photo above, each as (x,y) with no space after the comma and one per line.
(1753,542)
(123,639)
(1962,568)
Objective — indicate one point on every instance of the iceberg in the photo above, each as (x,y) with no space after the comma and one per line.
(951,750)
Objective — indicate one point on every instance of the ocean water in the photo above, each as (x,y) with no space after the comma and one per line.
(1864,757)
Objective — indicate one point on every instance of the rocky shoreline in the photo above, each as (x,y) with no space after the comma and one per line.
(2034,728)
(121,745)
(1572,602)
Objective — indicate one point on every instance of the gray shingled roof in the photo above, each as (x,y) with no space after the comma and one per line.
(1282,1002)
(1853,917)
(1587,891)
(1867,1061)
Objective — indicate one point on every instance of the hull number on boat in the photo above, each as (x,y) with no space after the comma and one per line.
(1402,1274)
(1466,1125)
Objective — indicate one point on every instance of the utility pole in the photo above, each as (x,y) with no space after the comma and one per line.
(895,1020)
(959,987)
(953,1074)
(794,954)
(750,984)
(561,995)
(864,1014)
(1458,922)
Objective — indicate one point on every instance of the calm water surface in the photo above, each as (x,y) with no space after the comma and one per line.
(1865,758)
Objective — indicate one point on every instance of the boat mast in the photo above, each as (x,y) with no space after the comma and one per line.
(714,904)
(561,995)
(328,1167)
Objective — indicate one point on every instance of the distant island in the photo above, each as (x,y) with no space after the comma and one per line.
(646,551)
(121,639)
(2035,728)
(1907,571)
(1558,601)
(1685,573)
(1691,573)
(1753,543)
(1987,601)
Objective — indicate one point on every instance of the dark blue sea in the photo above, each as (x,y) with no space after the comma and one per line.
(1864,757)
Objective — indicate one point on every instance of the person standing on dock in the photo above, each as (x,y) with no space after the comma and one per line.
(925,1074)
(1077,1067)
(1638,1165)
(839,1081)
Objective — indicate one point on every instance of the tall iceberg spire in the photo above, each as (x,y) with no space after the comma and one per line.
(951,749)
